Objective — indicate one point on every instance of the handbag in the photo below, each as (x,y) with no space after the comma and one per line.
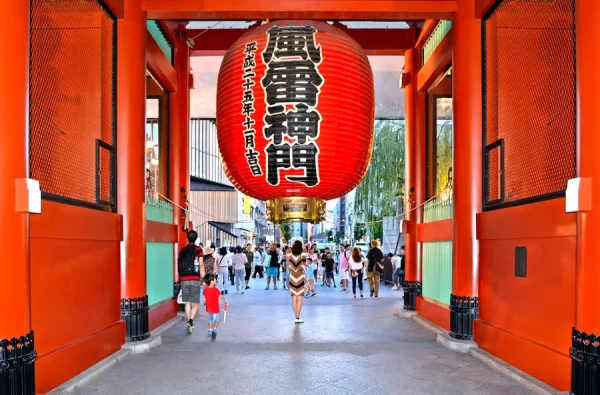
(267,261)
(180,297)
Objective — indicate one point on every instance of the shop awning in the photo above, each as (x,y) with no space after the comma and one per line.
(223,227)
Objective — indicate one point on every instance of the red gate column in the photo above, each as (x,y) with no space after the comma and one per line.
(412,287)
(587,312)
(467,97)
(179,149)
(131,174)
(15,321)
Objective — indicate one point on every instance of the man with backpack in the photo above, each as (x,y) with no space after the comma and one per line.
(191,271)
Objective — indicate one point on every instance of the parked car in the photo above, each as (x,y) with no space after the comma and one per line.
(363,246)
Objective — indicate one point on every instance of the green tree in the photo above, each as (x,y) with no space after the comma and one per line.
(378,193)
(287,233)
(443,147)
(360,230)
(330,235)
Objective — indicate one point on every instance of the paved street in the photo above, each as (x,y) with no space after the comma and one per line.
(345,346)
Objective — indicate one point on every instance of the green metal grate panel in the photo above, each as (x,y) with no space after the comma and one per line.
(437,271)
(158,35)
(440,31)
(159,272)
(160,211)
(437,210)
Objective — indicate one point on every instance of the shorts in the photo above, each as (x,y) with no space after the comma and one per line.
(272,272)
(213,317)
(343,274)
(328,274)
(310,275)
(190,291)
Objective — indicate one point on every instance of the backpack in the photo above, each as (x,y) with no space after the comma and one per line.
(186,260)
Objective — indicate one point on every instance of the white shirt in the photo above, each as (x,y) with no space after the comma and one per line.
(396,261)
(356,265)
(239,261)
(225,261)
(258,259)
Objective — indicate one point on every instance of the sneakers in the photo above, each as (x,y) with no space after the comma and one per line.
(361,295)
(189,326)
(210,331)
(354,296)
(395,288)
(275,289)
(247,287)
(334,286)
(214,334)
(242,292)
(299,321)
(267,288)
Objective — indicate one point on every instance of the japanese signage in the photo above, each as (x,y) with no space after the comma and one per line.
(292,85)
(248,108)
(295,113)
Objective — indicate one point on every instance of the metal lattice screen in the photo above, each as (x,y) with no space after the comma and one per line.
(72,101)
(529,101)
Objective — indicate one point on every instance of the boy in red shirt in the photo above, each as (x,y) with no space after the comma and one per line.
(211,297)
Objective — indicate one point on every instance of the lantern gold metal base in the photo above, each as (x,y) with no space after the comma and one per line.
(296,209)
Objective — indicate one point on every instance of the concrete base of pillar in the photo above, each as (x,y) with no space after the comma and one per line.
(452,344)
(153,341)
(405,313)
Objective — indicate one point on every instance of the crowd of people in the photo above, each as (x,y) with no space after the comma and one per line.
(297,268)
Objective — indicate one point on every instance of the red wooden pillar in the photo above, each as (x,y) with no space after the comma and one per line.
(467,162)
(131,173)
(179,143)
(15,321)
(587,311)
(412,287)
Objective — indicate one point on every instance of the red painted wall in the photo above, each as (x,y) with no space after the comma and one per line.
(75,290)
(527,321)
(434,311)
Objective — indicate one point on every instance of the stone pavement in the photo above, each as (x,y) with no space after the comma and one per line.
(345,346)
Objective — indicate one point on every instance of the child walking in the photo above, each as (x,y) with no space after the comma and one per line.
(212,296)
(310,278)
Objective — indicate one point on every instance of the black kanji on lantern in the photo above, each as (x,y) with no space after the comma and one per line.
(296,156)
(304,156)
(278,157)
(292,41)
(292,85)
(299,124)
(248,107)
(294,81)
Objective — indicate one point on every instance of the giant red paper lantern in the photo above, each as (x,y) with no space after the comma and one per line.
(295,116)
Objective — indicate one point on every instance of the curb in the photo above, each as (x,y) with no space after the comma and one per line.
(126,350)
(527,381)
(87,375)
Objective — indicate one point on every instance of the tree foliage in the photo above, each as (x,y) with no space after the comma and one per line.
(443,147)
(378,193)
(287,233)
